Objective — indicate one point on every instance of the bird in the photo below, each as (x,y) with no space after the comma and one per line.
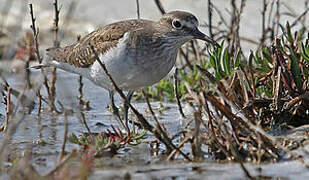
(137,53)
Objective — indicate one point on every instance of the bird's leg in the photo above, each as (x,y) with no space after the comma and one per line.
(115,109)
(126,105)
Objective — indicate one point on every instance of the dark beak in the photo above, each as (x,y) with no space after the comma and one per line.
(199,35)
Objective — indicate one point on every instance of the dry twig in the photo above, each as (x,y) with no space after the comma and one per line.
(66,127)
(52,88)
(137,9)
(176,94)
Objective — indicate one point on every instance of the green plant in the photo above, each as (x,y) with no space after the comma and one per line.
(223,61)
(106,142)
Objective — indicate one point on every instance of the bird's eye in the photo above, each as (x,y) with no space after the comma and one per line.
(177,24)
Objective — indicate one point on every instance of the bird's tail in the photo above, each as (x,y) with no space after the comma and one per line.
(40,66)
(46,60)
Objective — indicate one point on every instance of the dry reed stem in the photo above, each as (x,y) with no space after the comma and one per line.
(177,95)
(164,136)
(14,123)
(82,102)
(56,24)
(210,9)
(158,126)
(83,119)
(277,17)
(8,110)
(80,90)
(276,91)
(52,88)
(180,145)
(35,34)
(39,103)
(65,135)
(8,107)
(210,118)
(237,156)
(263,38)
(241,122)
(27,74)
(137,9)
(160,7)
(37,51)
(196,145)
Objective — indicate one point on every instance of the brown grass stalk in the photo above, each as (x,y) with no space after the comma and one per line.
(276,23)
(137,9)
(39,103)
(81,116)
(210,9)
(52,88)
(263,38)
(196,145)
(180,145)
(65,135)
(7,101)
(159,6)
(37,51)
(35,34)
(177,95)
(164,136)
(8,107)
(15,119)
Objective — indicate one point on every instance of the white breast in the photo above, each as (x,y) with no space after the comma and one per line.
(116,63)
(129,70)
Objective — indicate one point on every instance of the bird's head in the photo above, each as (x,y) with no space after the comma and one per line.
(183,26)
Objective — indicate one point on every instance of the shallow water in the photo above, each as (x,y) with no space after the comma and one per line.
(137,162)
(46,141)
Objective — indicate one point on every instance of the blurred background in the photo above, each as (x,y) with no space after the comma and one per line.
(247,27)
(79,17)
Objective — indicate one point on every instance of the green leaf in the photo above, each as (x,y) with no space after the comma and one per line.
(212,62)
(251,58)
(237,60)
(73,139)
(296,72)
(289,33)
(226,61)
(267,56)
(305,52)
(267,92)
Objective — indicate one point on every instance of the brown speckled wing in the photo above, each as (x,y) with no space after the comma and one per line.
(80,54)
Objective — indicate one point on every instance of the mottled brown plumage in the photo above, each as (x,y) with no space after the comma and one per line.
(79,54)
